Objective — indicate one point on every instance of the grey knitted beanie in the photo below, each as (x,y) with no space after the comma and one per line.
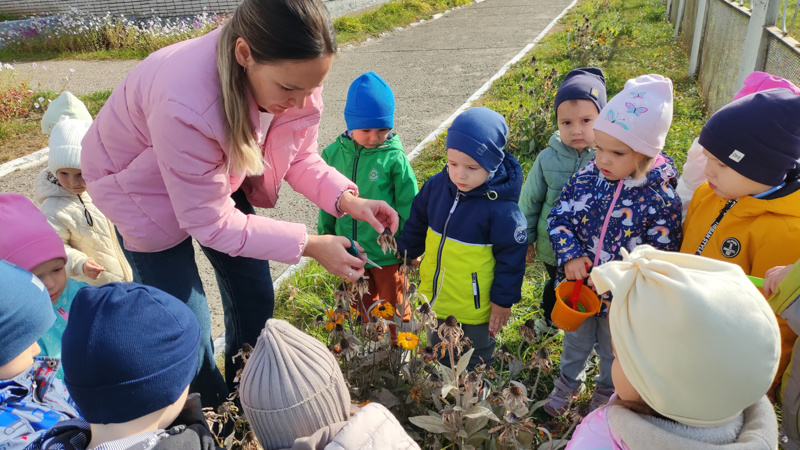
(291,386)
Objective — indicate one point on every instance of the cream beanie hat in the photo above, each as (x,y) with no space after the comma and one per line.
(693,335)
(640,115)
(291,386)
(65,144)
(65,105)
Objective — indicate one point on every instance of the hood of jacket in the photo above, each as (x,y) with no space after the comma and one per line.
(563,149)
(46,186)
(758,431)
(506,183)
(783,202)
(372,427)
(391,144)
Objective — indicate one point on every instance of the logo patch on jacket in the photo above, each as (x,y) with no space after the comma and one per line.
(730,247)
(373,174)
(520,235)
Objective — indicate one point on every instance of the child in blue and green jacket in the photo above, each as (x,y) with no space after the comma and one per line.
(373,158)
(467,222)
(578,102)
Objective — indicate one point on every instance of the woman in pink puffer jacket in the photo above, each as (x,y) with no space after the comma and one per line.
(197,135)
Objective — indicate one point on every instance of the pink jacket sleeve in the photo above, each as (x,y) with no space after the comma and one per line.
(594,433)
(192,164)
(312,177)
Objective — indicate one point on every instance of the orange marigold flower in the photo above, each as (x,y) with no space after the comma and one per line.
(408,341)
(334,319)
(385,310)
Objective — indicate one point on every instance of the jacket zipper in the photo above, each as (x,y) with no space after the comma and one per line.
(441,246)
(476,290)
(355,169)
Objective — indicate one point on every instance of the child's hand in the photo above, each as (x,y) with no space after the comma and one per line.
(498,319)
(575,269)
(92,270)
(774,277)
(530,257)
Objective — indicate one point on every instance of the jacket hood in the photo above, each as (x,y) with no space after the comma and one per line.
(392,143)
(561,148)
(506,182)
(783,201)
(46,186)
(662,172)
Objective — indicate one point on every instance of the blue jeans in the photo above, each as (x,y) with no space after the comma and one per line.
(248,300)
(593,334)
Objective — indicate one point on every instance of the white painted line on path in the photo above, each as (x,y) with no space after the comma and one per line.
(435,133)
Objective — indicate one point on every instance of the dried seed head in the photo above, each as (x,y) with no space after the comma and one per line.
(451,321)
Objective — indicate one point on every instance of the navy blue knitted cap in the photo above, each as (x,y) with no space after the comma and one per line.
(480,133)
(26,312)
(370,103)
(128,350)
(758,135)
(583,84)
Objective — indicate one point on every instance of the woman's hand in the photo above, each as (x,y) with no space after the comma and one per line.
(330,252)
(375,212)
(575,269)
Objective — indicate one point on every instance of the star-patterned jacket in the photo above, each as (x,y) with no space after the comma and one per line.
(648,211)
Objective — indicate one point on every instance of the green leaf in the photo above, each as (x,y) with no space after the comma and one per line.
(463,362)
(429,423)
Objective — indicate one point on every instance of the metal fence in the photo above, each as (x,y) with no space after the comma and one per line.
(730,39)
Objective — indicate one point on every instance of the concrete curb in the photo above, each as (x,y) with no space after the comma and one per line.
(24,162)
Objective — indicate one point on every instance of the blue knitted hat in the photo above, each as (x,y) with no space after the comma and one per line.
(758,135)
(26,312)
(128,350)
(370,103)
(583,84)
(481,134)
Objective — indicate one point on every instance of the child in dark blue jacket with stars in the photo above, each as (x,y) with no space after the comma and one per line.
(624,197)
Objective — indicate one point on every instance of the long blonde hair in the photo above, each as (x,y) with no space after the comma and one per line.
(275,30)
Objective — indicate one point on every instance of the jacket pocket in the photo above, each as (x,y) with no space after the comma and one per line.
(476,290)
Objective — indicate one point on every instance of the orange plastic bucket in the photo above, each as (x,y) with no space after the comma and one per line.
(567,318)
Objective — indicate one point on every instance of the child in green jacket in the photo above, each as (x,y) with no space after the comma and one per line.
(578,102)
(372,157)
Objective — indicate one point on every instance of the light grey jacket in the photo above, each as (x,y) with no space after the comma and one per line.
(551,170)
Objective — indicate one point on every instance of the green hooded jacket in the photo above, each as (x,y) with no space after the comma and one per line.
(381,173)
(551,170)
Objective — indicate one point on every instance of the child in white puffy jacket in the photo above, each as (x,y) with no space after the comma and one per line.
(94,255)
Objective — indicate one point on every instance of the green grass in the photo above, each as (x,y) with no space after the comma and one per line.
(398,13)
(4,17)
(792,30)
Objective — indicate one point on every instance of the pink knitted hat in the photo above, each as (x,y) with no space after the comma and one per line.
(27,239)
(761,81)
(640,115)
